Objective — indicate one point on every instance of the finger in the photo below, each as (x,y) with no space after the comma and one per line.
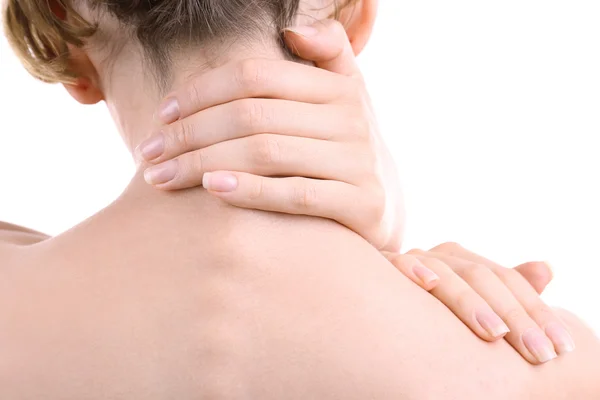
(538,274)
(526,334)
(257,78)
(326,43)
(463,301)
(265,155)
(541,313)
(413,269)
(342,202)
(249,117)
(527,296)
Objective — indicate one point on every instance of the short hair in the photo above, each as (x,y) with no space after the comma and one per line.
(40,30)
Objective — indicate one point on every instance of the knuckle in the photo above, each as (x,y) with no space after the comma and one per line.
(183,135)
(266,150)
(337,29)
(514,314)
(416,252)
(449,248)
(506,275)
(251,115)
(195,163)
(406,259)
(438,266)
(540,312)
(403,262)
(368,163)
(355,91)
(257,190)
(371,142)
(194,91)
(360,127)
(250,75)
(537,269)
(466,299)
(305,196)
(376,235)
(401,259)
(377,204)
(473,272)
(371,139)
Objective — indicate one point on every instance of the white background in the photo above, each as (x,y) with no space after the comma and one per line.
(492,109)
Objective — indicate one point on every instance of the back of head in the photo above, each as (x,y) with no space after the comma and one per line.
(42,32)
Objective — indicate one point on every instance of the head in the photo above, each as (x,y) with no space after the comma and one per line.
(130,53)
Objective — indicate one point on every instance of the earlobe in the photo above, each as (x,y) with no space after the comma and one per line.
(359,21)
(84,91)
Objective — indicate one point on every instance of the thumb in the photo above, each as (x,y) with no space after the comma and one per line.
(538,274)
(326,44)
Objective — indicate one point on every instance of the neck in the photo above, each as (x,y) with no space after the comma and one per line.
(133,96)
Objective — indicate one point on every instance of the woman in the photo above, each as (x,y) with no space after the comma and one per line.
(247,339)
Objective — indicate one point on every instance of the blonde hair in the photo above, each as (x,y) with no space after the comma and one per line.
(40,31)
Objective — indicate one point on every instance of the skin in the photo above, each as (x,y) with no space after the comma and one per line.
(13,235)
(182,303)
(331,165)
(193,298)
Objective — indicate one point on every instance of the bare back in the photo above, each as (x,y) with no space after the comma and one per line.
(175,295)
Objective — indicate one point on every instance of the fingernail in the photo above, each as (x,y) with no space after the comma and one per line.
(168,111)
(562,339)
(152,148)
(492,323)
(539,345)
(219,181)
(161,173)
(424,274)
(304,30)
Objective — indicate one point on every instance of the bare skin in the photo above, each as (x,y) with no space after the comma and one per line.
(179,296)
(11,235)
(228,303)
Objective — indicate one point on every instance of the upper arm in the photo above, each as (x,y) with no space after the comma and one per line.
(12,240)
(13,235)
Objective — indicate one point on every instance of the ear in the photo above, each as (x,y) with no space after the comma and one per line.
(86,88)
(84,91)
(359,20)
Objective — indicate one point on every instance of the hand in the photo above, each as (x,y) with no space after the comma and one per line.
(284,137)
(493,301)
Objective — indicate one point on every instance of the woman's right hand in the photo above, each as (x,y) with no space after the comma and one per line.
(279,136)
(493,301)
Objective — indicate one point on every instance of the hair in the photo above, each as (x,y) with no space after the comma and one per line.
(40,31)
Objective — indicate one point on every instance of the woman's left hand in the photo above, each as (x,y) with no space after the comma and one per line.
(495,302)
(285,137)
